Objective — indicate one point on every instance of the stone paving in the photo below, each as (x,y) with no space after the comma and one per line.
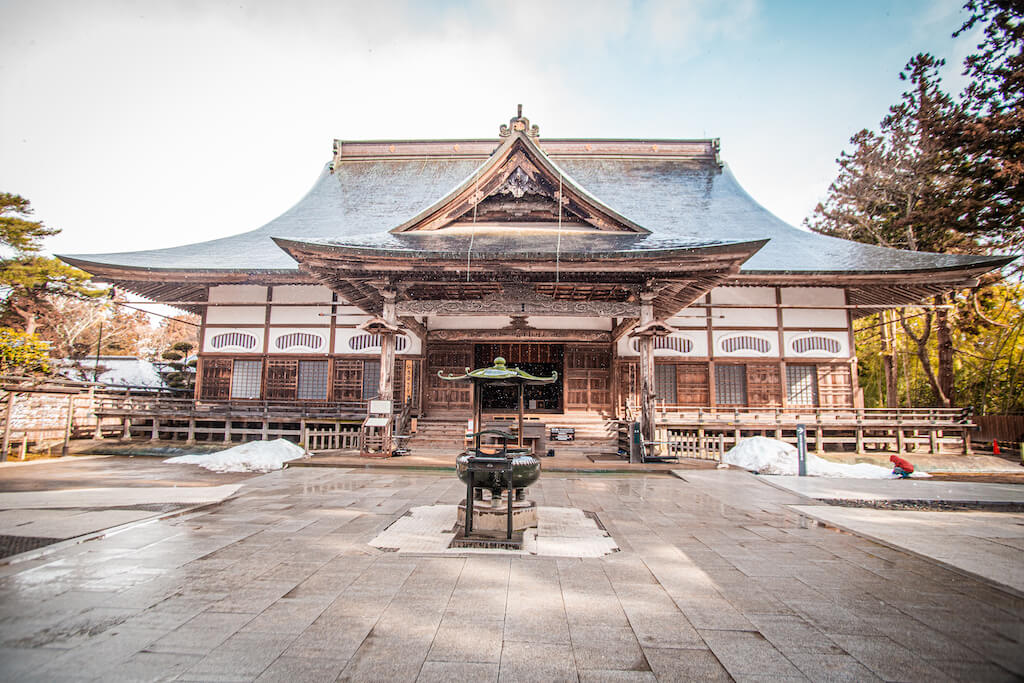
(716,579)
(830,488)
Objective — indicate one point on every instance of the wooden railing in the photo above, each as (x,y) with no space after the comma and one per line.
(321,426)
(862,430)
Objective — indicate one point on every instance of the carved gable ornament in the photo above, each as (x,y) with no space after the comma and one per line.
(520,184)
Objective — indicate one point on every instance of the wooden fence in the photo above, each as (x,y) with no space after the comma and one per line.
(866,430)
(1006,428)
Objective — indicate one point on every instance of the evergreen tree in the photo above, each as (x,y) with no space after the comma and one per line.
(989,141)
(28,277)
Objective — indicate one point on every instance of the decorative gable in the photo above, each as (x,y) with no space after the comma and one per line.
(520,184)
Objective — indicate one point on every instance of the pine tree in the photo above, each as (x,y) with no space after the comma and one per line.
(28,277)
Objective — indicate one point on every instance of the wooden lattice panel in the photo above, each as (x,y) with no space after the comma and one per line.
(216,378)
(281,379)
(764,384)
(584,292)
(465,290)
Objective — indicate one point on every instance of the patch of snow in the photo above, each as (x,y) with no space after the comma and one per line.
(255,456)
(770,456)
(120,371)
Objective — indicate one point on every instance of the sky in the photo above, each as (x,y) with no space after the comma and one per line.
(138,125)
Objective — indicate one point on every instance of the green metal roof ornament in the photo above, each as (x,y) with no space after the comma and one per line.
(500,373)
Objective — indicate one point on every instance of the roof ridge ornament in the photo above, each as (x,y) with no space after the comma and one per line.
(520,124)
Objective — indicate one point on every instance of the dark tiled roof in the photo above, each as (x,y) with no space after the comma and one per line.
(684,203)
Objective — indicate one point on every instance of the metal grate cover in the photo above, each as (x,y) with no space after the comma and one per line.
(15,545)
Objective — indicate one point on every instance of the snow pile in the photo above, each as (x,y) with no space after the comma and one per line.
(255,456)
(121,371)
(769,456)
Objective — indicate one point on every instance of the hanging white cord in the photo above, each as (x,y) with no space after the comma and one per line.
(472,235)
(558,248)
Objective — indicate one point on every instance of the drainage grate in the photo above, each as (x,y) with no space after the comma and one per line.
(15,545)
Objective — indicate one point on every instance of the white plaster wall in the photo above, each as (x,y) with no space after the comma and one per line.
(690,317)
(624,347)
(743,295)
(771,337)
(301,294)
(814,296)
(236,315)
(744,317)
(810,318)
(300,315)
(323,333)
(211,332)
(699,340)
(568,323)
(341,347)
(841,337)
(349,319)
(242,294)
(468,322)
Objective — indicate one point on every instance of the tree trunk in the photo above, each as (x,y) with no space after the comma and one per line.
(892,392)
(922,354)
(944,336)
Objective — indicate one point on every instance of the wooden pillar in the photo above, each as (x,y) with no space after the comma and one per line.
(386,390)
(387,347)
(190,438)
(7,427)
(647,395)
(68,423)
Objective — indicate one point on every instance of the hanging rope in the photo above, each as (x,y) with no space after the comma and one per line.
(558,247)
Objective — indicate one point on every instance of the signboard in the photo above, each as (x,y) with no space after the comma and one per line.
(563,434)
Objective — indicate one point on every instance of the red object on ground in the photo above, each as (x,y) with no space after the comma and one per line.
(904,465)
(995,447)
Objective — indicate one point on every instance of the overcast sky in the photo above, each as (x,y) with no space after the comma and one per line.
(136,125)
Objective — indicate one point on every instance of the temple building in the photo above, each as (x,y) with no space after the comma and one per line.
(638,270)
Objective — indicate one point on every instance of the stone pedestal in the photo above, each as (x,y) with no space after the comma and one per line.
(492,516)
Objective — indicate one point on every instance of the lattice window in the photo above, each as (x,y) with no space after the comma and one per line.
(665,383)
(371,379)
(810,344)
(361,342)
(216,378)
(802,385)
(312,380)
(731,385)
(677,344)
(245,379)
(299,340)
(348,380)
(241,340)
(280,385)
(746,342)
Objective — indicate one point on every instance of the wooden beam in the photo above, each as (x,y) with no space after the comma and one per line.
(624,326)
(418,328)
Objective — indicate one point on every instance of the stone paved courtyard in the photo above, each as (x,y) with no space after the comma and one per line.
(715,578)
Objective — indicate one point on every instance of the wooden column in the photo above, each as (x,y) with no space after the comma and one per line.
(68,424)
(647,368)
(7,427)
(386,390)
(387,347)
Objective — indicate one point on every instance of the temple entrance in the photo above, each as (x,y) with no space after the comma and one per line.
(536,359)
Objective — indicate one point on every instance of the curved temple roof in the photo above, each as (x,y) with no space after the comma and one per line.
(677,192)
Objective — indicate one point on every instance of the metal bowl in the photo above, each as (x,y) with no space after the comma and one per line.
(525,471)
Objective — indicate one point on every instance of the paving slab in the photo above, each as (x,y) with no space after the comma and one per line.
(924,490)
(717,574)
(987,545)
